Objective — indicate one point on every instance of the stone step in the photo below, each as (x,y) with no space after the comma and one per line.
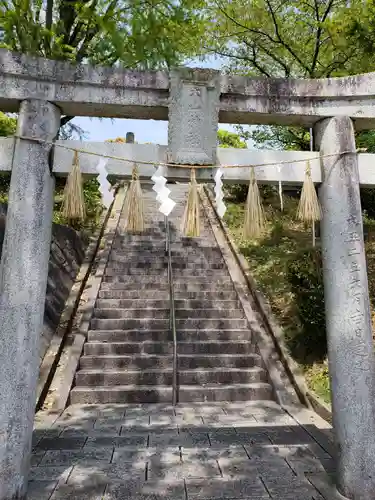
(128,239)
(204,246)
(143,362)
(145,294)
(132,285)
(224,305)
(223,392)
(208,313)
(129,335)
(115,273)
(117,313)
(142,273)
(119,348)
(130,253)
(144,278)
(161,263)
(180,287)
(149,347)
(163,394)
(161,324)
(121,394)
(130,362)
(94,378)
(166,335)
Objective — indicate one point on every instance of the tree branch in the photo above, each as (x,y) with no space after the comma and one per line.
(319,32)
(247,28)
(251,60)
(281,40)
(257,65)
(273,56)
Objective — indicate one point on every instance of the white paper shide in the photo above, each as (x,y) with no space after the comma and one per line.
(219,193)
(104,185)
(162,192)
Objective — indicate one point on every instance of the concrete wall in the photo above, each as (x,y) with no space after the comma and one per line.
(67,252)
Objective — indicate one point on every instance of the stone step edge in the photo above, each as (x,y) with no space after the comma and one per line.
(167,356)
(117,388)
(163,309)
(109,371)
(185,330)
(158,342)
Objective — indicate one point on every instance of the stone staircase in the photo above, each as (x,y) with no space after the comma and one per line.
(129,350)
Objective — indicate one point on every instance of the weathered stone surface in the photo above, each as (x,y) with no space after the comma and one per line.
(23,280)
(349,332)
(83,90)
(193,116)
(66,255)
(220,470)
(40,490)
(86,456)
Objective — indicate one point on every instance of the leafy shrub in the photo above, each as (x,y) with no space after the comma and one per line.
(93,204)
(237,193)
(368,201)
(308,342)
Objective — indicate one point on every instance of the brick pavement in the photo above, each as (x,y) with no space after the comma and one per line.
(191,452)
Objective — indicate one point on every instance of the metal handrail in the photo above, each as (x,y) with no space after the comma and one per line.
(172,315)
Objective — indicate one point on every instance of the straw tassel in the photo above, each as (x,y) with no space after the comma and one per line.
(133,204)
(73,207)
(254,222)
(190,223)
(309,207)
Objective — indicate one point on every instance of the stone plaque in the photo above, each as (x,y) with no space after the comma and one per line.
(193,116)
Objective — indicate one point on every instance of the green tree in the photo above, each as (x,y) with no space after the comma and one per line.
(228,139)
(139,34)
(8,125)
(287,38)
(276,137)
(292,38)
(360,30)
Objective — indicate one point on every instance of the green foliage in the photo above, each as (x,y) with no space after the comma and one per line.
(360,31)
(305,275)
(138,34)
(300,38)
(289,273)
(135,34)
(277,137)
(8,125)
(93,204)
(228,139)
(303,38)
(317,377)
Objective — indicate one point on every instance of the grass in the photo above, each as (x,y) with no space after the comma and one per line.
(270,259)
(93,204)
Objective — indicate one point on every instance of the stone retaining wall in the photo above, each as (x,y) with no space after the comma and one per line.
(67,252)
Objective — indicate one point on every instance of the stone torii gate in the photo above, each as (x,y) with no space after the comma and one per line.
(194,101)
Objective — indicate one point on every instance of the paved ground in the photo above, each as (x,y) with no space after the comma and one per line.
(228,451)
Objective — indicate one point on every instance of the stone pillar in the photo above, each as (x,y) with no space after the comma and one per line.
(23,279)
(349,334)
(130,137)
(193,116)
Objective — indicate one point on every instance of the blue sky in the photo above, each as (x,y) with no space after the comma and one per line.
(144,130)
